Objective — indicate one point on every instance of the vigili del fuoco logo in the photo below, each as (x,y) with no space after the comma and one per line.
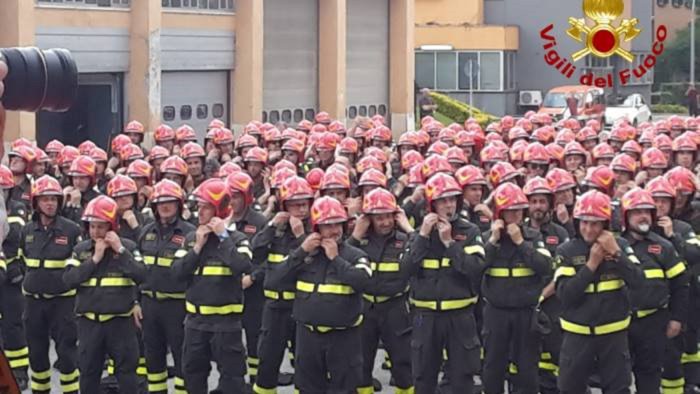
(602,35)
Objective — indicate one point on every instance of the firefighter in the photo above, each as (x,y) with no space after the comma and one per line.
(540,197)
(518,266)
(213,260)
(46,242)
(21,164)
(330,276)
(124,191)
(475,188)
(163,300)
(446,259)
(255,161)
(285,232)
(13,339)
(660,304)
(135,131)
(194,156)
(382,231)
(594,272)
(82,189)
(105,270)
(249,222)
(564,187)
(164,136)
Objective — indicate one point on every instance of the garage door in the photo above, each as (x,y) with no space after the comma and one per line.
(195,98)
(367,57)
(290,89)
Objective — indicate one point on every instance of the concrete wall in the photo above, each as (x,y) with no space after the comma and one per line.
(674,18)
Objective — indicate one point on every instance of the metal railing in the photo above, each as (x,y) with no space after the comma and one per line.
(200,5)
(87,3)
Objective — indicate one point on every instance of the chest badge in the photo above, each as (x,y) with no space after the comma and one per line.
(178,239)
(654,249)
(61,240)
(552,240)
(249,229)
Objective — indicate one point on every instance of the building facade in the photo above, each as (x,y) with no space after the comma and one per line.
(190,61)
(499,41)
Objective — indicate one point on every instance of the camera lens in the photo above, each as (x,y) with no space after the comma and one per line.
(39,80)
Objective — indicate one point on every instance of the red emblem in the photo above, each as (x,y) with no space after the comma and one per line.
(62,240)
(178,239)
(484,219)
(552,240)
(26,196)
(250,229)
(654,249)
(460,237)
(398,244)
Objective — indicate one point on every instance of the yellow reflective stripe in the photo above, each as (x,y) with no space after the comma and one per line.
(108,282)
(36,386)
(275,258)
(434,264)
(16,220)
(379,299)
(259,390)
(214,310)
(605,285)
(510,272)
(245,250)
(410,390)
(214,271)
(544,252)
(285,295)
(69,376)
(597,330)
(564,271)
(3,264)
(41,374)
(693,241)
(365,390)
(155,387)
(680,382)
(687,358)
(180,253)
(473,249)
(17,353)
(385,266)
(103,317)
(547,366)
(72,262)
(161,261)
(645,312)
(156,377)
(654,273)
(324,288)
(676,270)
(19,363)
(162,295)
(444,305)
(50,264)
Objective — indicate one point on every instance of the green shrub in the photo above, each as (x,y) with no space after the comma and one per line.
(668,109)
(459,111)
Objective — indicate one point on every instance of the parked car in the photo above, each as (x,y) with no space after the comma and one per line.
(591,103)
(633,108)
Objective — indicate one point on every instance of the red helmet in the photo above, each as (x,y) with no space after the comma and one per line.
(348,146)
(174,165)
(574,148)
(572,124)
(26,153)
(379,201)
(216,123)
(618,134)
(368,162)
(517,151)
(543,135)
(7,181)
(381,133)
(436,164)
(682,179)
(586,134)
(647,137)
(684,143)
(502,172)
(507,121)
(423,138)
(98,154)
(215,192)
(54,146)
(409,138)
(227,169)
(327,141)
(676,122)
(560,180)
(273,135)
(537,185)
(164,133)
(663,142)
(327,210)
(378,119)
(295,188)
(691,124)
(654,158)
(323,118)
(594,124)
(314,178)
(335,179)
(437,148)
(536,153)
(192,150)
(185,133)
(602,151)
(337,127)
(256,154)
(42,157)
(447,135)
(373,177)
(491,153)
(83,166)
(555,152)
(464,139)
(493,136)
(624,163)
(661,187)
(517,132)
(121,185)
(410,158)
(134,127)
(662,126)
(284,164)
(305,125)
(118,142)
(210,135)
(593,206)
(631,147)
(470,175)
(565,136)
(456,155)
(600,177)
(67,155)
(439,186)
(293,145)
(318,128)
(415,176)
(240,182)
(86,147)
(252,129)
(224,136)
(637,198)
(167,190)
(246,141)
(140,169)
(280,176)
(158,152)
(525,124)
(130,152)
(102,209)
(509,196)
(46,186)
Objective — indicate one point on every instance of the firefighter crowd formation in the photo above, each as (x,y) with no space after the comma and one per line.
(531,254)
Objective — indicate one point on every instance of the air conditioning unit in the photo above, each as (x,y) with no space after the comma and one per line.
(530,98)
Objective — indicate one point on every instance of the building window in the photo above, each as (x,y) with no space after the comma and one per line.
(647,78)
(382,110)
(169,113)
(217,110)
(88,3)
(264,116)
(465,70)
(298,115)
(202,111)
(205,5)
(352,112)
(309,114)
(287,116)
(186,112)
(274,117)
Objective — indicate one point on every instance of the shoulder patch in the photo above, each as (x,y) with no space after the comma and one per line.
(249,229)
(578,260)
(654,249)
(398,244)
(552,240)
(178,239)
(61,240)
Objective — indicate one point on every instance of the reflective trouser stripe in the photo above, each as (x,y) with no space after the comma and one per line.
(70,381)
(41,380)
(688,358)
(18,358)
(410,390)
(365,390)
(259,390)
(157,381)
(141,370)
(672,386)
(597,330)
(253,364)
(180,385)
